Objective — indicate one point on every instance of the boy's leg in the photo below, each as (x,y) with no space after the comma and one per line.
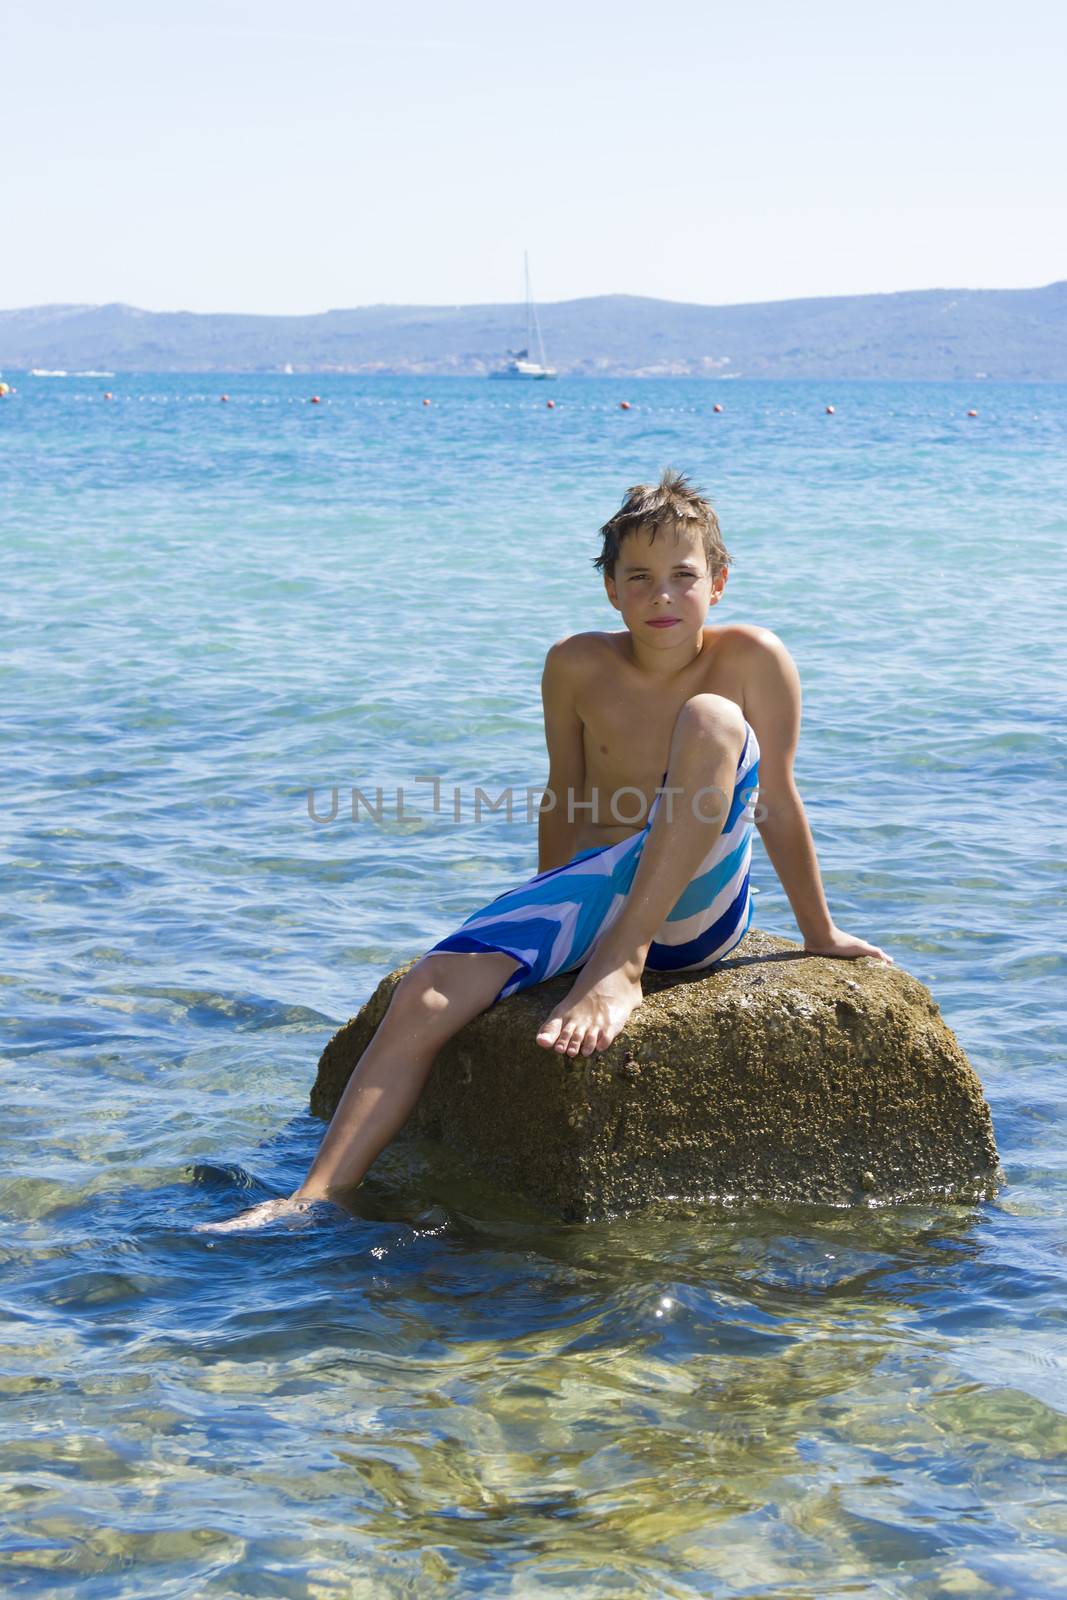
(708,737)
(433,1000)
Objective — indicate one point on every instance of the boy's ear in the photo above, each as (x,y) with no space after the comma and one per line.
(612,592)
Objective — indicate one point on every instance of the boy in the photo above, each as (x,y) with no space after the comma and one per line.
(672,714)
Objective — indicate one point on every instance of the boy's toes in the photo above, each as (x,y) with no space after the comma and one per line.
(574,1043)
(548,1032)
(589,1043)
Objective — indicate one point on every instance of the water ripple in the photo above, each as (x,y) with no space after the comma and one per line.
(209,611)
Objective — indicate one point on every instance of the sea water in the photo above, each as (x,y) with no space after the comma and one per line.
(211,608)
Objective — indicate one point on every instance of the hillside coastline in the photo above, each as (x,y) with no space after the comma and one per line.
(1016,334)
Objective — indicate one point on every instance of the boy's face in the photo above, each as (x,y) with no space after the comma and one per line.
(662,586)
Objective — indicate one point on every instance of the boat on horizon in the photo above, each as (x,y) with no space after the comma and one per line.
(520,363)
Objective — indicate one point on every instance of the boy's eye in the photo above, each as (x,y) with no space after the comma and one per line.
(683,572)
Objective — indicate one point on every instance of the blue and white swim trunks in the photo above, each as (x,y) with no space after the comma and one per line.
(551,923)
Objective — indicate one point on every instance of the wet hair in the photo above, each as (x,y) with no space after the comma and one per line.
(670,503)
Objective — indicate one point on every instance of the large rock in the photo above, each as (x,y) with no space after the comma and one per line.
(778,1077)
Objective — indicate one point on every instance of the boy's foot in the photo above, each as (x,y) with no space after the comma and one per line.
(593,1013)
(260,1216)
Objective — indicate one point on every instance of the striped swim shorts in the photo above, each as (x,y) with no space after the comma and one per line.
(550,924)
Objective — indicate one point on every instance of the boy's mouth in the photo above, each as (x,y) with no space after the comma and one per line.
(662,622)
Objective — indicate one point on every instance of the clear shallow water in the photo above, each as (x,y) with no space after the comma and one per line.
(208,609)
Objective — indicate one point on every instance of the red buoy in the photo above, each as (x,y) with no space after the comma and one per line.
(972,413)
(108,395)
(829,411)
(716,408)
(224,398)
(551,404)
(624,405)
(425,402)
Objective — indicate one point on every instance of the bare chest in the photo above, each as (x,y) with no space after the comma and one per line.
(628,723)
(627,741)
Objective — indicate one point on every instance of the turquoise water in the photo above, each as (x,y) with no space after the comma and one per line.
(209,609)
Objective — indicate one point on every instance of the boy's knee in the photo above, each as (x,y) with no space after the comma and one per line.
(711,717)
(442,986)
(425,983)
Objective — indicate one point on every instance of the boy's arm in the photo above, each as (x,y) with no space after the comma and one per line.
(566,760)
(772,706)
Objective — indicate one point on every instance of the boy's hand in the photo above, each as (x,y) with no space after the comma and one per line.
(843,944)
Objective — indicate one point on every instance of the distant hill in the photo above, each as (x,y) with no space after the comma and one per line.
(923,333)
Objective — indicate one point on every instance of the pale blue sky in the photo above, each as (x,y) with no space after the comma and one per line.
(212,155)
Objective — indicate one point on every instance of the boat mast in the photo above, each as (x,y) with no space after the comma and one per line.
(532,322)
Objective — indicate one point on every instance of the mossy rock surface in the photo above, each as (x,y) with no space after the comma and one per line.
(779,1077)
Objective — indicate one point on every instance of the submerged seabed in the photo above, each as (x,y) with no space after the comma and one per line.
(209,608)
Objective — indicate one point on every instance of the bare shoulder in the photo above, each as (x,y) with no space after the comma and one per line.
(577,651)
(755,659)
(748,642)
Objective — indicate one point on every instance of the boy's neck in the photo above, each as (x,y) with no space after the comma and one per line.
(666,664)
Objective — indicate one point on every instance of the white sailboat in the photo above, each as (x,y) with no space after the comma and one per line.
(521,364)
